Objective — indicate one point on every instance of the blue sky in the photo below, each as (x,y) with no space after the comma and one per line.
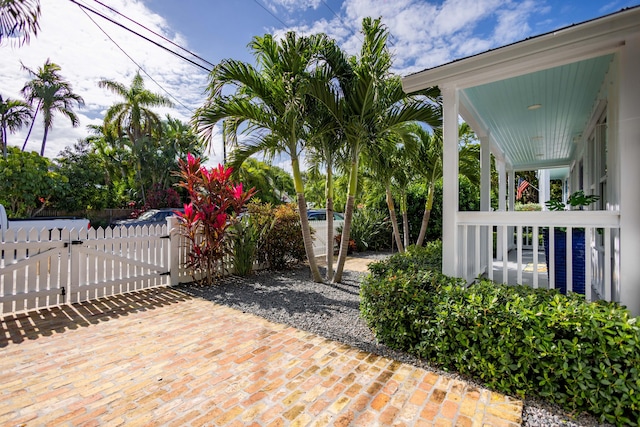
(423,34)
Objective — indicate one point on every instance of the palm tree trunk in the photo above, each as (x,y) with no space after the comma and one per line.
(33,121)
(394,220)
(304,221)
(44,140)
(405,220)
(425,217)
(4,141)
(348,215)
(329,195)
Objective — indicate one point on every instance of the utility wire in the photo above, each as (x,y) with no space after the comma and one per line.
(342,20)
(133,60)
(271,13)
(153,32)
(84,7)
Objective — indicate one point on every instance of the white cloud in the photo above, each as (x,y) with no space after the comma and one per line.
(294,5)
(70,39)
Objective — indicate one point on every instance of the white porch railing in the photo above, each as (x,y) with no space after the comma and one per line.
(478,254)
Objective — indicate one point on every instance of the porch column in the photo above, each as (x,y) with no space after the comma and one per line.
(502,202)
(512,188)
(450,181)
(544,187)
(512,197)
(629,152)
(486,233)
(485,174)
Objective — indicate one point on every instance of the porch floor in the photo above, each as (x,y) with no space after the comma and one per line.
(527,269)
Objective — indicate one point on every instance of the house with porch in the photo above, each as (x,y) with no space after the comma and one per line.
(567,105)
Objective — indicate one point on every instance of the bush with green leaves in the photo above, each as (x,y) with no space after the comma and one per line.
(415,258)
(280,243)
(370,230)
(245,236)
(518,340)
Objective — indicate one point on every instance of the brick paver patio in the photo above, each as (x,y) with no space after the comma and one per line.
(160,357)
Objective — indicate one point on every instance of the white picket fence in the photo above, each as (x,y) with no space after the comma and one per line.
(41,268)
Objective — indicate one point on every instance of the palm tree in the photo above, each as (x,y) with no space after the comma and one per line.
(269,105)
(19,18)
(428,164)
(325,143)
(368,103)
(14,114)
(133,117)
(380,166)
(54,94)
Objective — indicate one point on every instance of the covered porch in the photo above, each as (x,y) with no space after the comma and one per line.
(567,105)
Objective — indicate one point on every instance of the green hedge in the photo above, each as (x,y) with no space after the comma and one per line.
(583,356)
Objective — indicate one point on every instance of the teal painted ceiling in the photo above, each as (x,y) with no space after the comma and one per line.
(545,136)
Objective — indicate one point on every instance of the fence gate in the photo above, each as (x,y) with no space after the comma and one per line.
(44,268)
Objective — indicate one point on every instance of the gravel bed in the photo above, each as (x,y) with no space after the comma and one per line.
(332,311)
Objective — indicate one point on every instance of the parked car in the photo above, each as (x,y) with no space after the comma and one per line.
(150,217)
(321,215)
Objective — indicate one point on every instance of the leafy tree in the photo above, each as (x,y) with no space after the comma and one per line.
(134,118)
(27,182)
(270,104)
(13,115)
(54,94)
(368,103)
(382,164)
(428,165)
(273,184)
(115,158)
(19,18)
(88,180)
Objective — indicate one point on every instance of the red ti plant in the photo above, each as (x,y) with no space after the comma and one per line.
(215,202)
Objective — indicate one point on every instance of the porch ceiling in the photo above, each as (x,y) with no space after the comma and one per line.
(534,138)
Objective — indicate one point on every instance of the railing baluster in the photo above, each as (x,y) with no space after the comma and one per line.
(534,238)
(465,252)
(478,266)
(552,258)
(587,262)
(607,264)
(519,253)
(569,258)
(490,251)
(505,254)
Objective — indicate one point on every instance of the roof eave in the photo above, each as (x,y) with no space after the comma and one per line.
(592,38)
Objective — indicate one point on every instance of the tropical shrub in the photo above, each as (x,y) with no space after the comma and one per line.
(215,202)
(245,240)
(518,340)
(280,242)
(414,259)
(370,230)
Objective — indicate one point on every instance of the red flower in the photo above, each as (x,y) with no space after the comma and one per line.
(220,221)
(236,191)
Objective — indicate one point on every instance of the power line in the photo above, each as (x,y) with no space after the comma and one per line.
(133,60)
(271,13)
(153,32)
(84,7)
(341,20)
